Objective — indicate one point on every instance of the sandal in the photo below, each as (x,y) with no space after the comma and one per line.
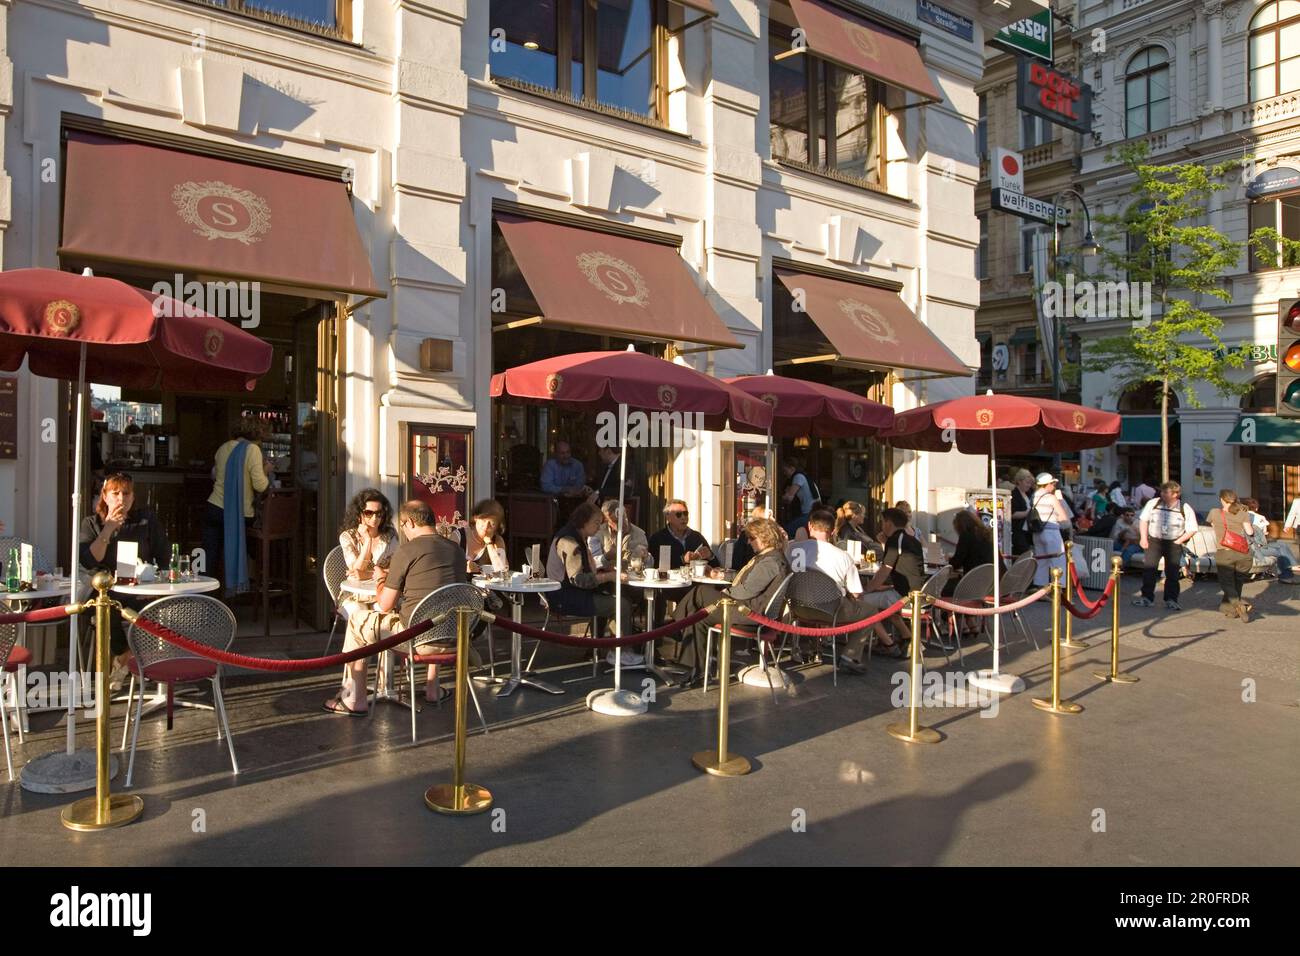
(336,706)
(891,650)
(444,693)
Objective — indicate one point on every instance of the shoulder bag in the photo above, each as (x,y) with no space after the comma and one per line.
(1034,522)
(1231,539)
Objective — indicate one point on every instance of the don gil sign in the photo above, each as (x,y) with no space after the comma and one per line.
(1046,91)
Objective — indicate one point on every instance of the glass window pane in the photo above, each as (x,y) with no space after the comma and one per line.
(818,117)
(322,12)
(1159,115)
(529,53)
(1263,49)
(1137,121)
(1157,55)
(1158,84)
(788,106)
(1289,40)
(1289,215)
(1262,214)
(1139,61)
(1265,16)
(625,55)
(1286,9)
(856,143)
(1263,83)
(577,76)
(1135,92)
(1289,75)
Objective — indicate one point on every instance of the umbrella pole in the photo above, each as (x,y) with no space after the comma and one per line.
(619,702)
(74,665)
(995,680)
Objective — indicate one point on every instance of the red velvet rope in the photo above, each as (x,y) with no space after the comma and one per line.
(1094,609)
(826,631)
(265,664)
(990,611)
(570,640)
(37,616)
(1083,598)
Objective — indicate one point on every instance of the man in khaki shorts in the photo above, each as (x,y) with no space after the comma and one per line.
(424,562)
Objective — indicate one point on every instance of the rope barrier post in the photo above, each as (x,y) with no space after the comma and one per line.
(912,732)
(103,810)
(459,798)
(1069,641)
(1113,676)
(1054,704)
(722,763)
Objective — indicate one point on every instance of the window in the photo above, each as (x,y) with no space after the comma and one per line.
(1146,91)
(1283,214)
(1262,396)
(1035,237)
(330,17)
(982,130)
(1275,49)
(982,253)
(823,115)
(604,52)
(1036,130)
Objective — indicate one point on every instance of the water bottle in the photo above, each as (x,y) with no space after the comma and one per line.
(11,571)
(174,570)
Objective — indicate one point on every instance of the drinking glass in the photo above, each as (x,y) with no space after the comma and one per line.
(185,567)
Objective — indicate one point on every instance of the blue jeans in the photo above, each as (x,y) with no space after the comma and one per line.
(1128,552)
(1284,566)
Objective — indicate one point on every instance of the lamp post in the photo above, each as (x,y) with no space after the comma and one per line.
(1088,247)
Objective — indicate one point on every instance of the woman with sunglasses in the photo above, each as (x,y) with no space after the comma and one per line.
(367,535)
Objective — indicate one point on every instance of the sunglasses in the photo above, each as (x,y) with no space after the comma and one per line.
(373,512)
(679,514)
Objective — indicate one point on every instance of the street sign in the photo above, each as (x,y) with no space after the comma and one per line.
(1288,354)
(945,19)
(1057,96)
(1026,207)
(1031,36)
(1280,179)
(1007,170)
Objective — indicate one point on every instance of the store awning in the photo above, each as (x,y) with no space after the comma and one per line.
(603,283)
(1143,430)
(1027,336)
(180,212)
(870,326)
(1268,431)
(863,47)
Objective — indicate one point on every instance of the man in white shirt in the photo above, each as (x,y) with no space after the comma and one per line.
(1164,526)
(1142,493)
(817,553)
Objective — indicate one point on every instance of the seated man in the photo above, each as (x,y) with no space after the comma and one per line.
(563,474)
(1126,534)
(583,591)
(424,562)
(817,553)
(902,570)
(685,544)
(601,544)
(1104,525)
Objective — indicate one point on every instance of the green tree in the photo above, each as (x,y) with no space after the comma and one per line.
(1159,241)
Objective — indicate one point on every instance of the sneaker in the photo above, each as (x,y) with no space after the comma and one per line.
(1143,602)
(849,664)
(1173,606)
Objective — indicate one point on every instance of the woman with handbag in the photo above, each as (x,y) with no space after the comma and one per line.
(1231,524)
(1047,516)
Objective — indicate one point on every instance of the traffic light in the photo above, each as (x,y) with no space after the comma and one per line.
(1288,358)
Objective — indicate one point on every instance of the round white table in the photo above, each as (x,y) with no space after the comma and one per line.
(196,585)
(367,590)
(516,593)
(49,587)
(651,588)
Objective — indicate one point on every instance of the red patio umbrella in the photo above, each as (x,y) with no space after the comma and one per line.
(623,381)
(809,408)
(79,326)
(984,424)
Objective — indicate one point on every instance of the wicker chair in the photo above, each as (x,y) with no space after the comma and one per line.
(334,571)
(445,599)
(200,618)
(815,601)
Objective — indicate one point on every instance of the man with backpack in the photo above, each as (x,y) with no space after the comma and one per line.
(1164,526)
(799,497)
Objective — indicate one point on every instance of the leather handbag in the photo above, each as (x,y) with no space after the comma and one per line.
(1234,541)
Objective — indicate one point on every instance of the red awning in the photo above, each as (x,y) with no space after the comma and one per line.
(182,212)
(863,47)
(611,284)
(870,326)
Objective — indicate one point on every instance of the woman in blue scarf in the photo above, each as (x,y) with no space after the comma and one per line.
(240,472)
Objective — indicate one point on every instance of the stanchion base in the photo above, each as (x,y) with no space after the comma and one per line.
(441,798)
(924,735)
(1066,707)
(754,676)
(997,682)
(123,808)
(616,703)
(1075,645)
(63,772)
(734,766)
(1110,678)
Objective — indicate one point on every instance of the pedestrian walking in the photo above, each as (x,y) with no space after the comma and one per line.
(1164,526)
(1231,524)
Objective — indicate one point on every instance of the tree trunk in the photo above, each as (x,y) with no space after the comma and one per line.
(1164,430)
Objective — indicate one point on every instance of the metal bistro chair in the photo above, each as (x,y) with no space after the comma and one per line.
(567,620)
(445,599)
(1015,585)
(775,609)
(972,590)
(815,600)
(11,659)
(200,618)
(334,571)
(933,588)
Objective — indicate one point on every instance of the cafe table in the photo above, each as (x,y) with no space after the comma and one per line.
(517,591)
(652,587)
(46,587)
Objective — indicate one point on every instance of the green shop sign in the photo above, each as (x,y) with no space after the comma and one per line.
(1031,36)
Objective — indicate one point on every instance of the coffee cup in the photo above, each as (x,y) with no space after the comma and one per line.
(651,574)
(518,579)
(527,571)
(698,568)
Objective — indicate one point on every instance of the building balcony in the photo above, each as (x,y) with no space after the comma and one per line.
(1260,112)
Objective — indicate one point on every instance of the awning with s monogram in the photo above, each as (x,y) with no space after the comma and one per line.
(609,284)
(176,211)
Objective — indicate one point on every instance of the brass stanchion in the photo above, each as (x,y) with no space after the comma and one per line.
(1054,704)
(722,763)
(912,732)
(1069,641)
(459,797)
(1113,675)
(103,810)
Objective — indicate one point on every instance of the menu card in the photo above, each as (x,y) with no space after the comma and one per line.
(855,549)
(665,557)
(128,555)
(25,563)
(535,557)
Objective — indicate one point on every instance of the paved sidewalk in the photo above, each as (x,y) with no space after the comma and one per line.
(1180,768)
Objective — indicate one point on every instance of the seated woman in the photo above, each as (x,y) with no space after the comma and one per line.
(850,526)
(754,586)
(116,519)
(367,537)
(483,538)
(583,591)
(974,547)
